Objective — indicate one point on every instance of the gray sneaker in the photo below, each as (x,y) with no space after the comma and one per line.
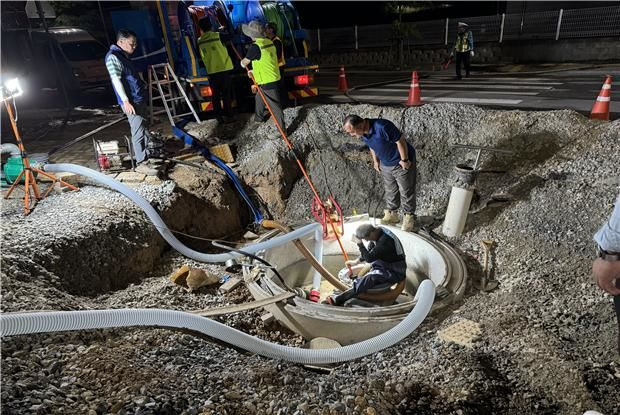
(146,169)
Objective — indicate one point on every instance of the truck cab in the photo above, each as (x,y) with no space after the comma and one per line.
(168,30)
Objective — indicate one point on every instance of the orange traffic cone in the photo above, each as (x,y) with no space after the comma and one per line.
(414,91)
(342,81)
(600,110)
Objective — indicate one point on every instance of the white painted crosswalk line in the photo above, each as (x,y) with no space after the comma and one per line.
(488,101)
(443,91)
(476,86)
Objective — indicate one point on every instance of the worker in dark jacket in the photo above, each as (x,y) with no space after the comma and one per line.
(263,56)
(386,257)
(219,66)
(464,48)
(131,95)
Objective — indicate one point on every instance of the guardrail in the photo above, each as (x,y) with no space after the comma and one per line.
(548,25)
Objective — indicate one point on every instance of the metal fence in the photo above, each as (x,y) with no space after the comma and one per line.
(548,25)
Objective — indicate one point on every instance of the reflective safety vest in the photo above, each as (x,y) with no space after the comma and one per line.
(266,68)
(214,53)
(281,60)
(464,42)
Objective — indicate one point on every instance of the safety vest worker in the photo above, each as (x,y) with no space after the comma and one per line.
(213,53)
(270,30)
(265,71)
(266,68)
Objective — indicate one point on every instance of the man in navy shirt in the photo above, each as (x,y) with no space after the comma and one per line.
(394,158)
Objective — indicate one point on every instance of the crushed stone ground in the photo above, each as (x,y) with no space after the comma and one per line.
(548,335)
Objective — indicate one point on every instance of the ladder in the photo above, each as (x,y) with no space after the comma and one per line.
(164,85)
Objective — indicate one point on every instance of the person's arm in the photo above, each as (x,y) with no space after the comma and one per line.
(605,274)
(379,251)
(470,40)
(404,162)
(375,160)
(278,45)
(252,55)
(115,71)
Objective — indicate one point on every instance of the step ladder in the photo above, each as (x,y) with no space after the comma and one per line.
(164,85)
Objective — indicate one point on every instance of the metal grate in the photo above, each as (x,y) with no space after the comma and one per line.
(604,21)
(338,39)
(375,36)
(576,23)
(541,25)
(429,32)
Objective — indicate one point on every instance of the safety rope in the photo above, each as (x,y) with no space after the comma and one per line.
(292,150)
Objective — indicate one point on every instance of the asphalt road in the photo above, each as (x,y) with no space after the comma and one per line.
(571,89)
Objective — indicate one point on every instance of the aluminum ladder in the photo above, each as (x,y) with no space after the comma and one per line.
(164,85)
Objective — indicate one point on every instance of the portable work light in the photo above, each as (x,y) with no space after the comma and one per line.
(10,89)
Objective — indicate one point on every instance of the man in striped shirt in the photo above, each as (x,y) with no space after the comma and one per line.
(130,93)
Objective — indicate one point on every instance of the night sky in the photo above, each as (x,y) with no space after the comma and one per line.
(325,14)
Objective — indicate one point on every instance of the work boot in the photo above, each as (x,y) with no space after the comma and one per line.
(408,222)
(147,169)
(390,217)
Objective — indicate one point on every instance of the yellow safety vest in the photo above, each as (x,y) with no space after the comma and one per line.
(462,42)
(213,53)
(266,68)
(281,60)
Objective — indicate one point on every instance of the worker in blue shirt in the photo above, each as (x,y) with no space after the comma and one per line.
(606,268)
(394,158)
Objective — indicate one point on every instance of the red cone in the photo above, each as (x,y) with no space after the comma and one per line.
(342,81)
(414,92)
(600,110)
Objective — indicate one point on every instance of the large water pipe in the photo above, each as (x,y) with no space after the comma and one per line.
(13,324)
(167,234)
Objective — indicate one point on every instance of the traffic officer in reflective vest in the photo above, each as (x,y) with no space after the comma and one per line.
(219,66)
(263,56)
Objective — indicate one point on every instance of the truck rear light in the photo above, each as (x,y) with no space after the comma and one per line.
(206,91)
(303,80)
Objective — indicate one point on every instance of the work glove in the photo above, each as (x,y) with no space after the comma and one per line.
(472,53)
(344,275)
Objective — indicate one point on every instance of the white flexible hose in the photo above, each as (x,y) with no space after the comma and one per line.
(43,322)
(169,236)
(12,324)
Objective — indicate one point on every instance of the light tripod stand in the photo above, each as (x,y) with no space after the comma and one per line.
(27,173)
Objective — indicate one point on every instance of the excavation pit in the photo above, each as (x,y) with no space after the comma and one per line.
(546,333)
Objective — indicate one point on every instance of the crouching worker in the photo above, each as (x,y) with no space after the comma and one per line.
(387,261)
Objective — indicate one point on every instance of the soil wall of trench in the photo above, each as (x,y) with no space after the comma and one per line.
(96,240)
(548,333)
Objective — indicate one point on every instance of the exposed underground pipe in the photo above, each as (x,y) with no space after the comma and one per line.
(13,324)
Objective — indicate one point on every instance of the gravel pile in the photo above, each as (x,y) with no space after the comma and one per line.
(548,334)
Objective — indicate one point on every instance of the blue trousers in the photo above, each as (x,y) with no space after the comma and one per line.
(381,274)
